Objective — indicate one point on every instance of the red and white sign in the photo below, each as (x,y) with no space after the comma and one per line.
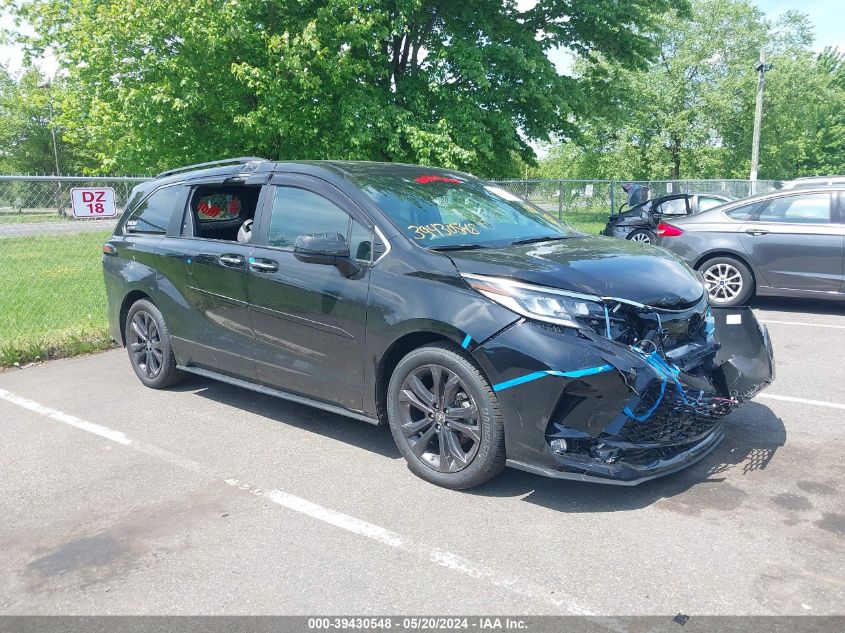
(93,202)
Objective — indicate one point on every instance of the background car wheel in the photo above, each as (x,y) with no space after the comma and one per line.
(149,346)
(729,281)
(445,418)
(644,236)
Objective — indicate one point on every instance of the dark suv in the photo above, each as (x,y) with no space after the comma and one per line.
(482,330)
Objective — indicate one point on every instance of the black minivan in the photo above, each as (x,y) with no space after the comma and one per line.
(483,331)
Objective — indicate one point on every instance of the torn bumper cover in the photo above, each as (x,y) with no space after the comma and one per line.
(625,410)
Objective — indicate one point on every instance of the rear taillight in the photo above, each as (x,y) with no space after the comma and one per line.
(667,230)
(108,249)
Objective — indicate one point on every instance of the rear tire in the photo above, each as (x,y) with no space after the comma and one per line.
(729,281)
(150,348)
(445,418)
(643,236)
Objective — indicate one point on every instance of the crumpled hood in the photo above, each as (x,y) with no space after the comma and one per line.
(600,266)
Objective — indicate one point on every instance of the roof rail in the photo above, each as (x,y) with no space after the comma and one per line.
(240,160)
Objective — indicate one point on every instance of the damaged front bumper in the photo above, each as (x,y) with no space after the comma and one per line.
(580,405)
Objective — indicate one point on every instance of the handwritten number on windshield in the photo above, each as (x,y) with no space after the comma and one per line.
(437,230)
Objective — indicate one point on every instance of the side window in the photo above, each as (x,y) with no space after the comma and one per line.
(676,206)
(222,212)
(706,202)
(300,212)
(360,242)
(742,213)
(809,209)
(153,214)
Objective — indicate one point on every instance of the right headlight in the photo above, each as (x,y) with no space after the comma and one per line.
(539,302)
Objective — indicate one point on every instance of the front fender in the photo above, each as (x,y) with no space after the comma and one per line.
(402,304)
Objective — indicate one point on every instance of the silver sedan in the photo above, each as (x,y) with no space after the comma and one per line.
(784,243)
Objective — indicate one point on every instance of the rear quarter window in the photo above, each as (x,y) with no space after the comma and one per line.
(742,213)
(154,213)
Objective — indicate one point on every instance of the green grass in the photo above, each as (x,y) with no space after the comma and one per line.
(52,298)
(589,221)
(10,217)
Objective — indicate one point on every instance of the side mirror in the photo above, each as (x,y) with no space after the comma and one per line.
(325,248)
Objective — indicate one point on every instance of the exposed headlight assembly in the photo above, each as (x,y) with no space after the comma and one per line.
(539,302)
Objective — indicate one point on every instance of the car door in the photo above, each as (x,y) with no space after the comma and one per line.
(309,319)
(206,278)
(143,231)
(796,242)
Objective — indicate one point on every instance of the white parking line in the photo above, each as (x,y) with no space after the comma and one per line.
(90,427)
(338,519)
(443,558)
(817,403)
(802,323)
(348,523)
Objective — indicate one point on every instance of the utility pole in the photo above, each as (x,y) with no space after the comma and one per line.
(48,85)
(59,201)
(761,67)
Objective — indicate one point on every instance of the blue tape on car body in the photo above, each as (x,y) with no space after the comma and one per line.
(577,373)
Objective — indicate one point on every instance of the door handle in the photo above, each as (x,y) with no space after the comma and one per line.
(756,231)
(261,265)
(232,261)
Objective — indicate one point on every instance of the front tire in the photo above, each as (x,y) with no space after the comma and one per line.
(445,418)
(729,281)
(149,345)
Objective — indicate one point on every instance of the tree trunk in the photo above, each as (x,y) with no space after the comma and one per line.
(675,150)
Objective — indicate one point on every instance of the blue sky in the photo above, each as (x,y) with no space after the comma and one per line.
(827,17)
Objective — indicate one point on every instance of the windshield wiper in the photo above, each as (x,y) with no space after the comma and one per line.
(456,247)
(548,238)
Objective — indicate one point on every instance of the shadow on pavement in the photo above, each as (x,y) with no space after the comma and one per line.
(376,439)
(754,434)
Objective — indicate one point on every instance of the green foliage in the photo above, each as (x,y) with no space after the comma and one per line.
(690,112)
(26,145)
(460,84)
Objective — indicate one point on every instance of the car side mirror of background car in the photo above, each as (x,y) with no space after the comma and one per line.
(325,248)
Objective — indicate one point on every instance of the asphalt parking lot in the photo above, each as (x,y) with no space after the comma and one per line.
(209,499)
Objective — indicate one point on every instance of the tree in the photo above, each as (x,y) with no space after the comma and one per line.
(804,116)
(690,112)
(26,143)
(460,84)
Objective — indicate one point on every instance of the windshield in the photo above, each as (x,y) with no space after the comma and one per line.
(439,210)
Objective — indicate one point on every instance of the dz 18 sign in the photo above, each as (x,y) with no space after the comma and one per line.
(93,202)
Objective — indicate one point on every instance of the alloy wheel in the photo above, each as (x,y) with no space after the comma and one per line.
(724,282)
(145,344)
(643,238)
(439,418)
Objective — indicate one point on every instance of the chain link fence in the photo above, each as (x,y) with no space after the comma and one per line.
(52,300)
(586,204)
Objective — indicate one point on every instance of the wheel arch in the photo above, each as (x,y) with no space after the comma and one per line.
(732,255)
(128,301)
(400,348)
